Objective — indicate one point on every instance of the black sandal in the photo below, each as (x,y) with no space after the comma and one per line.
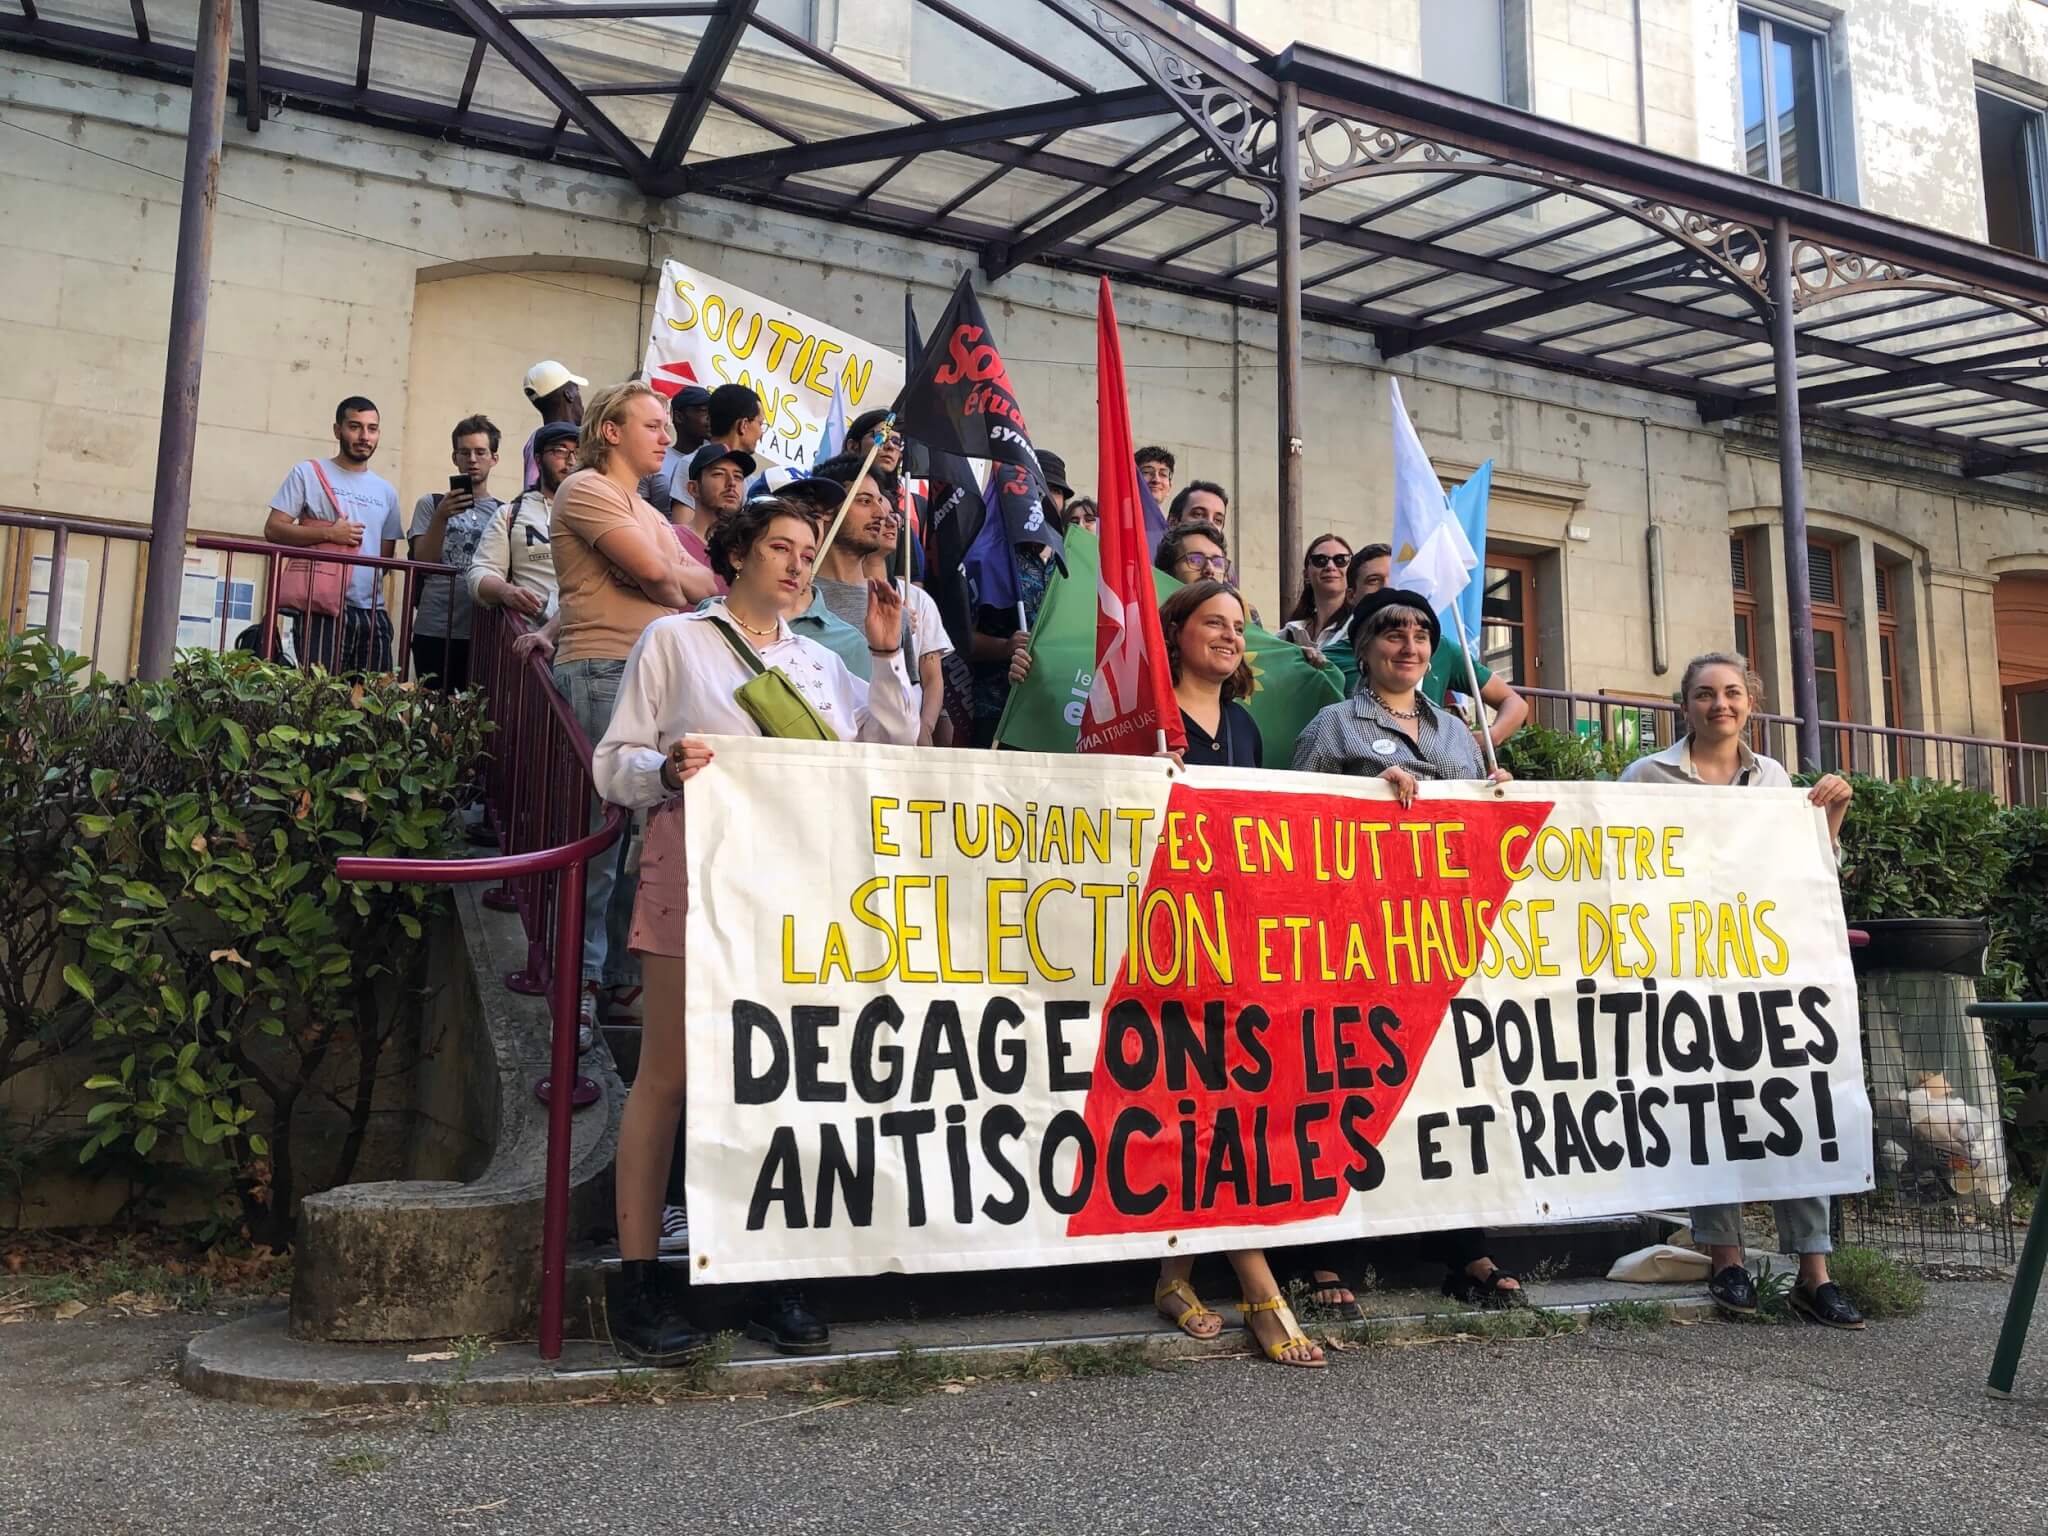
(1488,1293)
(1311,1288)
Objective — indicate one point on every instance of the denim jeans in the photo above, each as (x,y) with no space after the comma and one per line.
(1802,1225)
(592,689)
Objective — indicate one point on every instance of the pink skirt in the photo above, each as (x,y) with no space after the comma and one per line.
(663,902)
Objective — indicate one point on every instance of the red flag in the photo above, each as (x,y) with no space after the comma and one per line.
(1131,704)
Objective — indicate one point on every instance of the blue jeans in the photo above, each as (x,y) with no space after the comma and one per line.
(592,689)
(1802,1225)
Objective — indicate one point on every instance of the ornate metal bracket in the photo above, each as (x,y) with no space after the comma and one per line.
(1202,91)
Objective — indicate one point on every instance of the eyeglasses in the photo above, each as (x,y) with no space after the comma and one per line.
(1220,564)
(1324,562)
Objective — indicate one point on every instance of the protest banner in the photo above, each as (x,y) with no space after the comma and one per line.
(708,331)
(955,1011)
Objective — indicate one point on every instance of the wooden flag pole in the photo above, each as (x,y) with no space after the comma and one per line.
(866,464)
(1478,705)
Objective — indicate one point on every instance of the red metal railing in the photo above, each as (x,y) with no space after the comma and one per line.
(69,536)
(538,794)
(17,587)
(271,558)
(2013,771)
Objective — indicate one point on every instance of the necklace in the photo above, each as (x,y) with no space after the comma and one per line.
(759,634)
(1398,714)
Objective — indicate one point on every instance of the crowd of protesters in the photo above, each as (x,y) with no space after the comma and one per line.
(678,591)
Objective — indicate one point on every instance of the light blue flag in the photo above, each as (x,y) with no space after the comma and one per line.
(1468,506)
(833,439)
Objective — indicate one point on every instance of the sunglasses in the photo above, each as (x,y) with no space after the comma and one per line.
(1324,562)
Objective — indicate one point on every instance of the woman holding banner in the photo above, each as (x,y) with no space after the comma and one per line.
(1389,730)
(1718,693)
(732,667)
(1203,625)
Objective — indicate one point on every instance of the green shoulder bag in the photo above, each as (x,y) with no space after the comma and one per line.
(770,699)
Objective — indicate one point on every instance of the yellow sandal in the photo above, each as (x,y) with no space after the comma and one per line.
(1192,1308)
(1277,1353)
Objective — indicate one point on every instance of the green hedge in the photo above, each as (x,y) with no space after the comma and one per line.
(168,849)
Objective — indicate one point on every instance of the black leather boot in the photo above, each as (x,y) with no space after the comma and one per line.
(648,1325)
(780,1318)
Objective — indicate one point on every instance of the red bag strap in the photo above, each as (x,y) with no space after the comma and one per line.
(333,500)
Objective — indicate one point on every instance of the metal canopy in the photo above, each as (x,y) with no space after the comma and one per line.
(1140,138)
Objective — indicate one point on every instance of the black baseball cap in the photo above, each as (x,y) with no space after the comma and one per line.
(555,432)
(718,453)
(690,396)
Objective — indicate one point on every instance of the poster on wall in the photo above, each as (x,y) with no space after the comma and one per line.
(708,331)
(973,1011)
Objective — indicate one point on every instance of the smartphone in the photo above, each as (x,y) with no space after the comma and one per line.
(458,483)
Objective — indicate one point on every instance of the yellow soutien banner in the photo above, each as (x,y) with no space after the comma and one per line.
(969,1010)
(710,331)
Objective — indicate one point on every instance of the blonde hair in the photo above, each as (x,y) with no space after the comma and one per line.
(607,405)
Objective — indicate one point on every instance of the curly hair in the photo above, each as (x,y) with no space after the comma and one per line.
(739,531)
(1174,614)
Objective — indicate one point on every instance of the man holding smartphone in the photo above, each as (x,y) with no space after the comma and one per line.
(446,527)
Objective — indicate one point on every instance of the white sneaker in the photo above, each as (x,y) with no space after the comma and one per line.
(675,1229)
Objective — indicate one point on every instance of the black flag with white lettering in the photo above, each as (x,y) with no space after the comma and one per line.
(958,400)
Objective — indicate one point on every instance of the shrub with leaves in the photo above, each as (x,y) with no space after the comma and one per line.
(230,974)
(50,728)
(1539,753)
(1921,848)
(2019,949)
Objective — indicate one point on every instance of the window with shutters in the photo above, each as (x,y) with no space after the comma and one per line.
(1739,552)
(1831,676)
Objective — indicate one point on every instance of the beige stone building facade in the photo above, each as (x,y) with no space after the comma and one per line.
(354,259)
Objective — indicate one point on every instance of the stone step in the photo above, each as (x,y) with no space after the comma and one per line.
(1565,1250)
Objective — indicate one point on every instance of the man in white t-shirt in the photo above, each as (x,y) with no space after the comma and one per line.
(338,503)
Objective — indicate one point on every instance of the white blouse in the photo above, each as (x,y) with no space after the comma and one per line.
(679,681)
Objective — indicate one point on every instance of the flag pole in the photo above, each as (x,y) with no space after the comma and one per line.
(852,490)
(1478,704)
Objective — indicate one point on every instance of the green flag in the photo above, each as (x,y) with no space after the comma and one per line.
(1044,711)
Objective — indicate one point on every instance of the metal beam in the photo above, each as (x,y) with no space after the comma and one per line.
(1287,231)
(141,15)
(252,64)
(1364,93)
(959,135)
(706,72)
(1113,199)
(363,45)
(1792,491)
(178,424)
(525,56)
(628,11)
(1603,284)
(430,14)
(1009,45)
(162,61)
(1959,371)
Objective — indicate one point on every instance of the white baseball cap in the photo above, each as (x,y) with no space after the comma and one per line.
(543,379)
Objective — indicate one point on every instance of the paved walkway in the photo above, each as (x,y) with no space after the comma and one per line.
(1712,1427)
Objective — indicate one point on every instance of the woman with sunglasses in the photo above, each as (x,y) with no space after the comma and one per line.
(1323,610)
(1192,552)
